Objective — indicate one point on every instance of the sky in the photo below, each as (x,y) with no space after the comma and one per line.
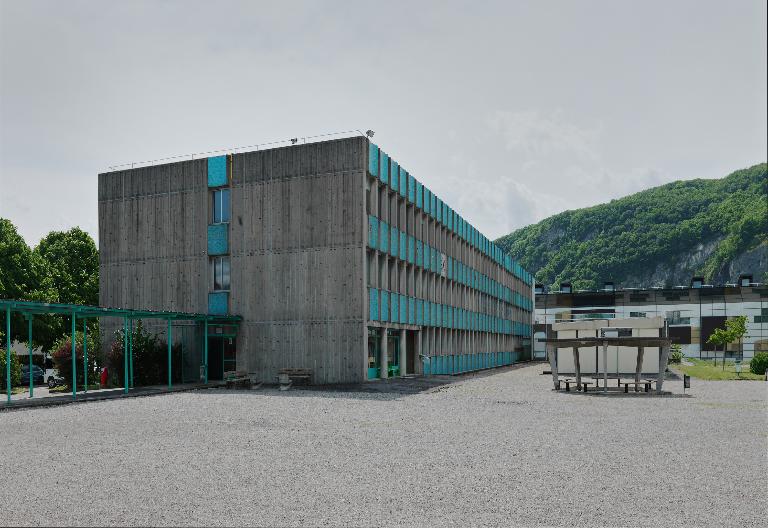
(509,111)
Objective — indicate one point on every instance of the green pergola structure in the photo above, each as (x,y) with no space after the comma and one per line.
(80,312)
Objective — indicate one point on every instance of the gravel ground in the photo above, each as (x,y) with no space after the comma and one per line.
(496,450)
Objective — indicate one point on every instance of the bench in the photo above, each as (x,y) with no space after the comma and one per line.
(637,384)
(287,376)
(239,379)
(585,384)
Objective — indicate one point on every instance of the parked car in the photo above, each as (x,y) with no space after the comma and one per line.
(38,376)
(55,381)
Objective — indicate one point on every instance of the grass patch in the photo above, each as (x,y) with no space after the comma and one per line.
(67,388)
(706,370)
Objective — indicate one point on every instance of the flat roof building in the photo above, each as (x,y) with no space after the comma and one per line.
(337,259)
(691,312)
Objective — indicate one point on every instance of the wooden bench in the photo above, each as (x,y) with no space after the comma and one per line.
(238,379)
(585,384)
(637,384)
(287,376)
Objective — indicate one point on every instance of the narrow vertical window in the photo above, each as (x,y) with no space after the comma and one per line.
(221,273)
(221,206)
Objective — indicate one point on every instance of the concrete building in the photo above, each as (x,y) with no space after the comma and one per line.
(337,259)
(691,312)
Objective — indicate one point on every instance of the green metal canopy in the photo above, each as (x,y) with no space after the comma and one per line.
(76,311)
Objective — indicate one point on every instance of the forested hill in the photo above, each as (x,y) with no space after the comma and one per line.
(657,237)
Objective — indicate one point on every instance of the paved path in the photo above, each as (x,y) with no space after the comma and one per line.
(498,450)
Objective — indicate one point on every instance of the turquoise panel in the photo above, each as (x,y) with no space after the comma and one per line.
(411,189)
(218,239)
(218,303)
(419,195)
(373,231)
(411,310)
(383,167)
(394,241)
(403,309)
(373,373)
(427,262)
(394,173)
(427,318)
(419,312)
(411,249)
(384,306)
(427,366)
(373,304)
(403,246)
(427,201)
(394,307)
(403,183)
(383,236)
(433,205)
(217,171)
(419,253)
(373,159)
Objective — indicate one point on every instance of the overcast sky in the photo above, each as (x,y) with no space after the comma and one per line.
(510,111)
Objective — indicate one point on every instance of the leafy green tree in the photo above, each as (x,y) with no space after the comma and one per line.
(24,276)
(733,332)
(73,261)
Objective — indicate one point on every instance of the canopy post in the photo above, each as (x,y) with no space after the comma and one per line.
(205,352)
(605,366)
(130,354)
(577,367)
(552,354)
(85,354)
(29,342)
(8,352)
(74,356)
(639,365)
(125,354)
(170,341)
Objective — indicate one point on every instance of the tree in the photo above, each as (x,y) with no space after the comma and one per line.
(25,276)
(734,331)
(72,263)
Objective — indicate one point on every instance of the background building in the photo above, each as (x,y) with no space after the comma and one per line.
(337,259)
(691,312)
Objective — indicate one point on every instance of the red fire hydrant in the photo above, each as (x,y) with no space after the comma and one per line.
(104,378)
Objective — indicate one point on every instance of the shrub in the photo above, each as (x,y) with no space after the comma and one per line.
(676,354)
(62,358)
(759,363)
(15,369)
(150,359)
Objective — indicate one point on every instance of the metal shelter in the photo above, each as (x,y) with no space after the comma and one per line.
(80,312)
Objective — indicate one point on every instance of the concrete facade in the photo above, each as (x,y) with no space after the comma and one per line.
(303,271)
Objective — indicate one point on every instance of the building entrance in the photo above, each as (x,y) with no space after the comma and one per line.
(374,353)
(393,353)
(222,356)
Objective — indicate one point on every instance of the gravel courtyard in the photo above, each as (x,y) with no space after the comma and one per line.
(497,450)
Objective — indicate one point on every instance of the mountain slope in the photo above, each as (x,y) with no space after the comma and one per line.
(657,237)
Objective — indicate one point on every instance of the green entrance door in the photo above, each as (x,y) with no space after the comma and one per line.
(374,353)
(393,352)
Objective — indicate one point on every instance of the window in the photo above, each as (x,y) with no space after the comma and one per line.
(221,206)
(220,273)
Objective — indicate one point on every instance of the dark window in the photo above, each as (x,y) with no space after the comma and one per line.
(221,206)
(220,273)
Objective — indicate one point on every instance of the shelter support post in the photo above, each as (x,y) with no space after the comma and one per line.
(8,352)
(170,342)
(205,353)
(552,355)
(85,355)
(130,354)
(403,352)
(639,365)
(662,366)
(29,344)
(125,354)
(74,356)
(577,367)
(605,366)
(384,370)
